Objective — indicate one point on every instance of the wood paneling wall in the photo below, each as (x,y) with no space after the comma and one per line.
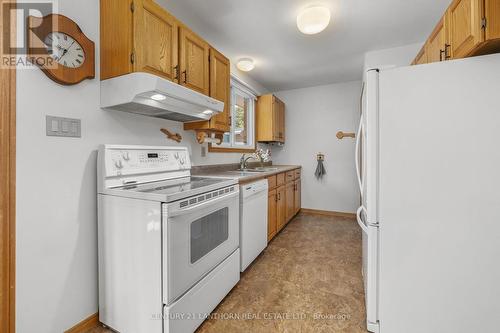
(7,191)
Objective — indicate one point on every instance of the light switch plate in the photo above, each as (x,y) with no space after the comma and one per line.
(64,127)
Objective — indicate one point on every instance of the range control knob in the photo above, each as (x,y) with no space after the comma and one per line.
(126,155)
(119,164)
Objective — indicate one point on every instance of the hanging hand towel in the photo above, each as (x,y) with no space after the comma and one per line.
(320,170)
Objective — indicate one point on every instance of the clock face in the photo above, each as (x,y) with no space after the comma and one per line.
(65,49)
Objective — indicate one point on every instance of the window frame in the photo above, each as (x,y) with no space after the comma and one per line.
(240,88)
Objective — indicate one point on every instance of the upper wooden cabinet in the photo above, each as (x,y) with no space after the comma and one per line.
(421,57)
(220,88)
(138,36)
(465,31)
(141,36)
(194,55)
(155,42)
(468,28)
(270,119)
(435,49)
(492,15)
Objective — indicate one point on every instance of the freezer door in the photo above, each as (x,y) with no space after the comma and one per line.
(370,235)
(439,197)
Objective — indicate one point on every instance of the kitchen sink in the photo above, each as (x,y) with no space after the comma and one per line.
(265,169)
(249,171)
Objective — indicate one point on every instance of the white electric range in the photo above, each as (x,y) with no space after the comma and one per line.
(168,242)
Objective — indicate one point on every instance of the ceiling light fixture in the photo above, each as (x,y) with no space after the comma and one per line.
(158,97)
(245,64)
(313,20)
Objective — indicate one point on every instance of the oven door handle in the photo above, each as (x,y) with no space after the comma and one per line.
(205,204)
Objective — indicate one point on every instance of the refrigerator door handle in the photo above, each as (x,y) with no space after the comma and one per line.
(358,141)
(362,224)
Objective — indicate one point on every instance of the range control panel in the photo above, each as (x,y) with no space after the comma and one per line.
(122,160)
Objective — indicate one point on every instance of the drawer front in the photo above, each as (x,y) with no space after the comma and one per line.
(297,173)
(280,179)
(290,176)
(271,182)
(185,314)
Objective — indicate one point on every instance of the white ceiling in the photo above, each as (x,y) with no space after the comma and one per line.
(286,59)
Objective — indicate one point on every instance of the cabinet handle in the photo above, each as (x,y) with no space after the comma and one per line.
(185,76)
(276,198)
(279,196)
(176,71)
(446,55)
(441,54)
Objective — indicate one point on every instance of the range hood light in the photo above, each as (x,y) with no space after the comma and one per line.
(209,112)
(159,97)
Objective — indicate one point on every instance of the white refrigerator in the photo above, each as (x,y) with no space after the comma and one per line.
(429,165)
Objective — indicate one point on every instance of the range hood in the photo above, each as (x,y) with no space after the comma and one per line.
(153,96)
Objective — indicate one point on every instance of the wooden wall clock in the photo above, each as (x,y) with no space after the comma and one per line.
(58,46)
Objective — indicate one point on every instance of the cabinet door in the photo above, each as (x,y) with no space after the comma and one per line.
(116,41)
(281,209)
(492,14)
(272,221)
(464,27)
(281,122)
(435,48)
(298,196)
(421,57)
(220,89)
(275,118)
(155,40)
(290,201)
(194,67)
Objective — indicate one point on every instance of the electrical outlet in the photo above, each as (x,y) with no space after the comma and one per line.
(203,151)
(65,127)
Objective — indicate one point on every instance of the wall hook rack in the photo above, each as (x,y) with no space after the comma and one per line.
(172,136)
(341,135)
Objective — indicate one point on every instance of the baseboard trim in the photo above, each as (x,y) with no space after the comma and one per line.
(327,213)
(85,325)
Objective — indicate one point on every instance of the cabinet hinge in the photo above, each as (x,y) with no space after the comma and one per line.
(483,23)
(132,6)
(132,57)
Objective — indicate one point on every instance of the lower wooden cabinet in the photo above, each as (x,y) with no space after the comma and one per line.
(284,200)
(272,218)
(290,200)
(297,196)
(281,208)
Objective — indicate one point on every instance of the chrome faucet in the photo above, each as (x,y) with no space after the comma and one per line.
(243,161)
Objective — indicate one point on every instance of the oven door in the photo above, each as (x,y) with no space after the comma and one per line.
(196,238)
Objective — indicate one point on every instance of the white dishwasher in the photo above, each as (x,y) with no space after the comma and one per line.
(253,221)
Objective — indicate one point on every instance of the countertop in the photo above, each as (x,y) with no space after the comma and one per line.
(230,172)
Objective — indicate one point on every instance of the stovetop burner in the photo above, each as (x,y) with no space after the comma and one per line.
(177,188)
(180,185)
